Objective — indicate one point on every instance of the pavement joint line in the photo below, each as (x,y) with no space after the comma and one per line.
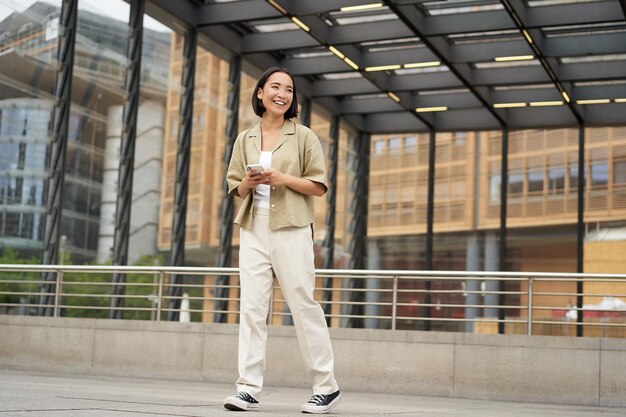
(139,402)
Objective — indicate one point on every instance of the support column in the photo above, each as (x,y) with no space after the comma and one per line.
(177,255)
(358,224)
(127,156)
(331,209)
(491,264)
(580,232)
(305,112)
(472,286)
(430,216)
(58,150)
(472,252)
(373,297)
(224,256)
(504,173)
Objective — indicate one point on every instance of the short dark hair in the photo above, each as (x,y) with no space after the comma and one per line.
(257,105)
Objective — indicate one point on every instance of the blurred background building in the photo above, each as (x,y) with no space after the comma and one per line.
(28,57)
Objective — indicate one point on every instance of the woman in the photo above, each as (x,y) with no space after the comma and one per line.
(276,237)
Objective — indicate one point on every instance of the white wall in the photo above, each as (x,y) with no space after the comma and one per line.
(146,182)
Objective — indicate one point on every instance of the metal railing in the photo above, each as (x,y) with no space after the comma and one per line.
(533,303)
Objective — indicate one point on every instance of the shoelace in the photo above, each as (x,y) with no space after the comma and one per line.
(246,397)
(317,399)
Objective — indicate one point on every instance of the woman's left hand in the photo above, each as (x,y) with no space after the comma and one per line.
(275,177)
(304,186)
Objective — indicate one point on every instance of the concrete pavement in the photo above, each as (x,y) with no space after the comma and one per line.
(28,394)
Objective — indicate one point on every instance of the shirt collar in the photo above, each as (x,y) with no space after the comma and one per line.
(289,128)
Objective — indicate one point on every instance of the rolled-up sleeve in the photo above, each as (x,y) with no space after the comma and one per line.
(314,168)
(236,167)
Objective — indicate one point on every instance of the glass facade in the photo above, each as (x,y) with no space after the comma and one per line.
(28,50)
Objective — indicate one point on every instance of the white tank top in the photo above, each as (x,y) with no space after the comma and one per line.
(262,191)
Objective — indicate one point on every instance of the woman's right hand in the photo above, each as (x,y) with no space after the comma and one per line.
(251,180)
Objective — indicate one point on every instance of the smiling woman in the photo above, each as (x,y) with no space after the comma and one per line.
(276,222)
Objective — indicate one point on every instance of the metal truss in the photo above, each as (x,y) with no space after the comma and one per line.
(58,151)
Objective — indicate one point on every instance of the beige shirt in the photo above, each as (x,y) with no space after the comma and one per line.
(298,152)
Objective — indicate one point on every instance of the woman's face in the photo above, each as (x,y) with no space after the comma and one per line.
(276,94)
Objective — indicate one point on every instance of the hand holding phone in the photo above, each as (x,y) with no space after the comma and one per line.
(255,168)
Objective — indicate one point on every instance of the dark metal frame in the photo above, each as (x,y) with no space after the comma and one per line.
(58,149)
(224,255)
(504,190)
(177,255)
(233,29)
(127,155)
(331,209)
(358,224)
(380,102)
(430,220)
(580,230)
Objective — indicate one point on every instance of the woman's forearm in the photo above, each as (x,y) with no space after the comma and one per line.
(305,186)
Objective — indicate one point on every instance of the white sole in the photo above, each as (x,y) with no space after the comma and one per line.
(236,404)
(315,410)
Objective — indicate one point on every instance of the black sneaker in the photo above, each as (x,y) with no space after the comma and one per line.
(241,402)
(321,404)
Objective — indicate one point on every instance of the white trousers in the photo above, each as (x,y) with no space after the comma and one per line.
(288,253)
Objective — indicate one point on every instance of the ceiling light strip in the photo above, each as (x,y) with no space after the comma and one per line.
(594,101)
(383,68)
(508,105)
(277,6)
(620,100)
(361,7)
(431,109)
(393,97)
(422,64)
(514,58)
(336,52)
(545,103)
(527,36)
(565,96)
(299,23)
(351,63)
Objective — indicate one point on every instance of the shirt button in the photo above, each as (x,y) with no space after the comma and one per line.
(273,205)
(273,188)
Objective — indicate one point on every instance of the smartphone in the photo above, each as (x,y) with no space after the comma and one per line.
(255,168)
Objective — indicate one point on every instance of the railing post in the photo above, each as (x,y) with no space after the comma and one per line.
(529,326)
(57,292)
(394,303)
(159,297)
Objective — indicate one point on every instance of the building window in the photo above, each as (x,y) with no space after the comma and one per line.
(556,179)
(410,144)
(573,177)
(619,172)
(516,183)
(379,147)
(494,188)
(535,181)
(395,146)
(599,175)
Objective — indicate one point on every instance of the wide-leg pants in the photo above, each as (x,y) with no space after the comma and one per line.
(287,253)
